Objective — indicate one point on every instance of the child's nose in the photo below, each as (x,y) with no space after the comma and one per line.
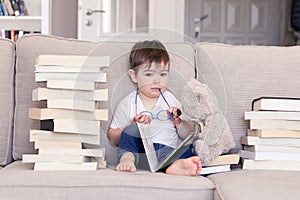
(156,79)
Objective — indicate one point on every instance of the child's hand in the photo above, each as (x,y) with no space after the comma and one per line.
(175,113)
(142,118)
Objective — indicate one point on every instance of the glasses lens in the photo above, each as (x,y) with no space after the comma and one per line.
(147,113)
(164,115)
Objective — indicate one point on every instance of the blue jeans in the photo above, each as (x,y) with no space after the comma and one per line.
(131,141)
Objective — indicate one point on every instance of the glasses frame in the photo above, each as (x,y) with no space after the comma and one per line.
(152,116)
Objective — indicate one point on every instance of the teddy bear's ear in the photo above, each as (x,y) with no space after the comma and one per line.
(196,100)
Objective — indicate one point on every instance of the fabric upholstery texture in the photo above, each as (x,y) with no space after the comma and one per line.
(24,183)
(256,184)
(239,73)
(7,57)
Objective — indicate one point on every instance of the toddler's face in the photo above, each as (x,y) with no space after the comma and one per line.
(152,79)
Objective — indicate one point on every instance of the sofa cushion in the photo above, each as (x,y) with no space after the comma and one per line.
(7,70)
(19,181)
(238,74)
(257,185)
(118,82)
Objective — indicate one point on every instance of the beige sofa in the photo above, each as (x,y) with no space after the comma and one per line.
(236,74)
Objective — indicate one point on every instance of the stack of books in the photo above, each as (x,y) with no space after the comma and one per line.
(71,98)
(222,163)
(273,140)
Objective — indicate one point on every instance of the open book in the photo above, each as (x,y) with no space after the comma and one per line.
(151,154)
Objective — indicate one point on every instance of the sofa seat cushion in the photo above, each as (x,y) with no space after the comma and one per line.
(19,181)
(7,58)
(257,185)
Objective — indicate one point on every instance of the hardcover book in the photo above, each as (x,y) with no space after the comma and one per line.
(276,103)
(271,133)
(52,113)
(151,154)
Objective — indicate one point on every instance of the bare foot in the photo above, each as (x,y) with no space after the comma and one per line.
(186,167)
(126,163)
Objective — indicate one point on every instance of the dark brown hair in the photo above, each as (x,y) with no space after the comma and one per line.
(147,52)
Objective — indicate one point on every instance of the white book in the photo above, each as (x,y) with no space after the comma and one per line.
(215,169)
(271,133)
(62,68)
(150,151)
(52,113)
(77,126)
(99,153)
(93,77)
(32,158)
(101,163)
(82,105)
(288,165)
(67,137)
(256,155)
(71,84)
(39,94)
(272,148)
(276,103)
(282,115)
(252,140)
(52,144)
(274,124)
(55,166)
(73,60)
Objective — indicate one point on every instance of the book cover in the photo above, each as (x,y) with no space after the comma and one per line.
(274,124)
(81,105)
(256,155)
(48,144)
(32,158)
(71,84)
(253,140)
(39,94)
(52,113)
(71,69)
(175,154)
(215,169)
(225,159)
(272,148)
(288,165)
(151,154)
(56,166)
(282,115)
(271,133)
(276,103)
(73,60)
(93,77)
(77,126)
(58,136)
(97,152)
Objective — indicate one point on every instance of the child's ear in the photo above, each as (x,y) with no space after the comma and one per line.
(131,73)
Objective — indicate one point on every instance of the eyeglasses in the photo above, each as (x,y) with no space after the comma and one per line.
(162,115)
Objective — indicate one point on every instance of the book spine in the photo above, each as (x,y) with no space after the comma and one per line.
(4,9)
(15,7)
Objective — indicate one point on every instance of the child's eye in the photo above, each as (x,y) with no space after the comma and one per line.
(148,74)
(164,74)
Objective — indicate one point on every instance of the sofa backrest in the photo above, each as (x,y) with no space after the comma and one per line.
(118,83)
(7,70)
(238,74)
